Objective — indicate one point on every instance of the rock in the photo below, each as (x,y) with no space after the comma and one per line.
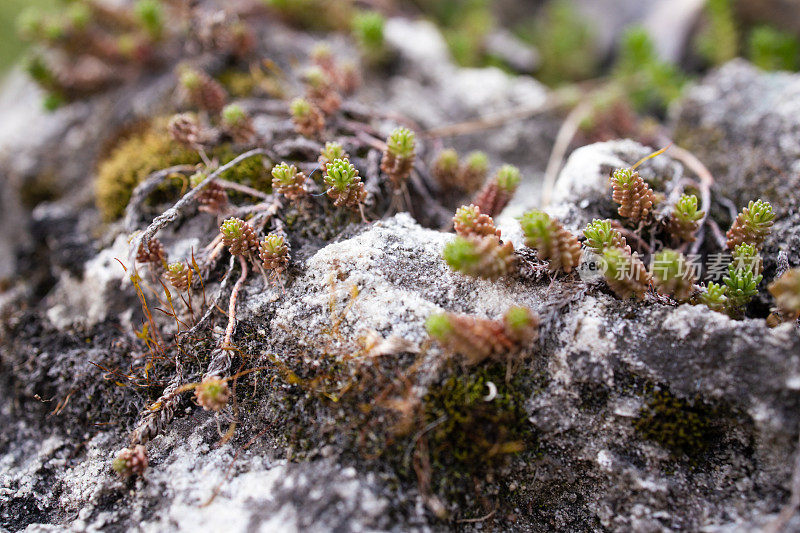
(519,55)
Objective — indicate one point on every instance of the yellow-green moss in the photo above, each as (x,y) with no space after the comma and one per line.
(131,161)
(150,149)
(686,429)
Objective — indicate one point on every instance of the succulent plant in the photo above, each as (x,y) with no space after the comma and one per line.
(740,287)
(287,180)
(185,129)
(213,198)
(151,252)
(474,171)
(469,220)
(212,394)
(237,124)
(179,275)
(308,120)
(496,194)
(481,257)
(130,461)
(625,273)
(551,241)
(600,234)
(752,225)
(274,252)
(477,339)
(203,91)
(446,169)
(672,275)
(321,92)
(398,157)
(714,297)
(685,219)
(331,152)
(786,291)
(746,257)
(632,193)
(239,236)
(367,28)
(344,184)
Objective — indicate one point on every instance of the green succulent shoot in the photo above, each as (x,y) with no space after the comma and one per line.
(467,215)
(151,17)
(623,177)
(601,235)
(746,257)
(518,318)
(752,225)
(274,244)
(401,143)
(714,297)
(300,108)
(190,79)
(284,174)
(462,254)
(340,175)
(316,78)
(686,209)
(672,274)
(447,161)
(741,285)
(232,229)
(477,162)
(233,115)
(196,179)
(439,326)
(537,227)
(333,151)
(508,178)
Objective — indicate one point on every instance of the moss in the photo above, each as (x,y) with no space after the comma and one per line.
(687,429)
(150,148)
(471,434)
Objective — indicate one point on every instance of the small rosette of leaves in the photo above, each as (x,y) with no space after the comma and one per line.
(239,236)
(237,124)
(469,220)
(740,287)
(752,225)
(307,118)
(203,91)
(625,273)
(481,257)
(179,275)
(551,241)
(474,171)
(685,219)
(446,169)
(344,184)
(672,275)
(330,153)
(321,92)
(600,234)
(274,252)
(496,194)
(632,193)
(130,461)
(212,394)
(786,291)
(715,298)
(746,257)
(288,181)
(398,157)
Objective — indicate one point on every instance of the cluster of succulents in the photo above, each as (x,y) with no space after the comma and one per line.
(462,177)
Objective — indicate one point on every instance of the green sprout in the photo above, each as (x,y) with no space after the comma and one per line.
(151,16)
(439,326)
(746,257)
(601,235)
(714,297)
(401,143)
(752,225)
(367,28)
(672,275)
(233,115)
(340,175)
(508,178)
(741,285)
(718,41)
(566,44)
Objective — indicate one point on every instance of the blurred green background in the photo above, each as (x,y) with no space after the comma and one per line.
(11,47)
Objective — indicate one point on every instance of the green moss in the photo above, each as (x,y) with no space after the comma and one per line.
(131,161)
(471,434)
(150,149)
(687,429)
